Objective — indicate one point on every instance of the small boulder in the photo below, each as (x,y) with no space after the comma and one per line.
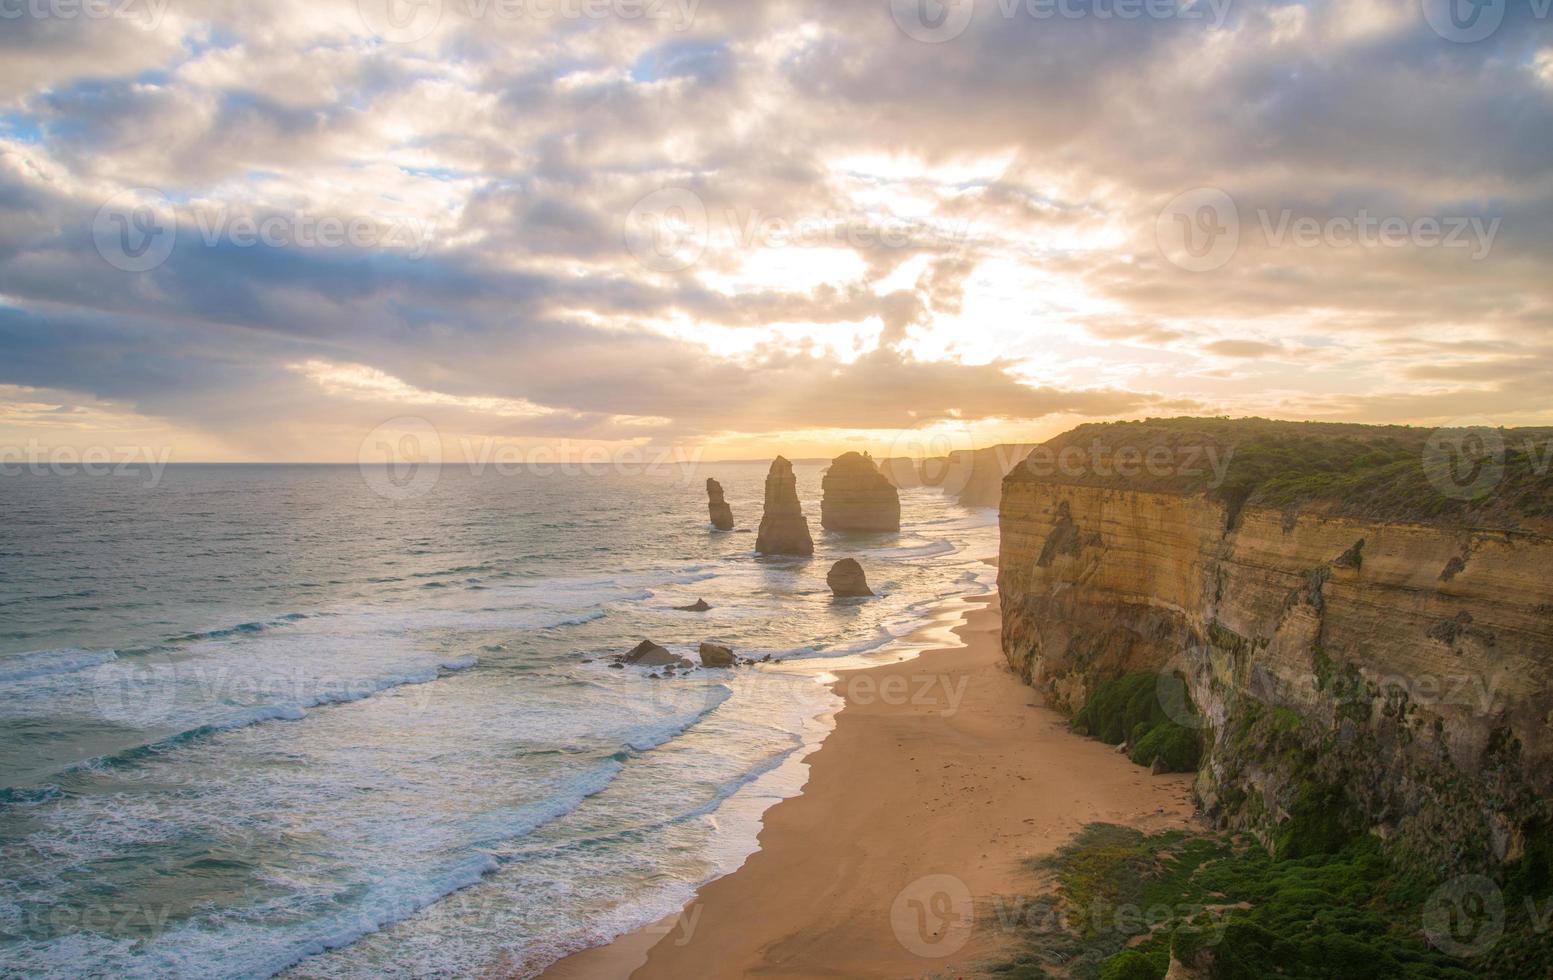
(1160,766)
(713,655)
(698,606)
(846,580)
(650,654)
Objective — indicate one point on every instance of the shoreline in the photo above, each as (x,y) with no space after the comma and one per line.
(940,779)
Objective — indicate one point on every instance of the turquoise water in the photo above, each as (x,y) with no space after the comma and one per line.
(262,719)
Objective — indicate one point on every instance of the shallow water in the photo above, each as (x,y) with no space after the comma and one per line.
(260,718)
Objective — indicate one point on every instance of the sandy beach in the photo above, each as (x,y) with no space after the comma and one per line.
(943,777)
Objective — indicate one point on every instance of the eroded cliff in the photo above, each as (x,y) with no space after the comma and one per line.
(1385,660)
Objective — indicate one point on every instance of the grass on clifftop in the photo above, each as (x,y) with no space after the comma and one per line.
(1125,902)
(1369,471)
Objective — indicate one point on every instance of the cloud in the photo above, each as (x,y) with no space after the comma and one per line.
(890,233)
(1243,348)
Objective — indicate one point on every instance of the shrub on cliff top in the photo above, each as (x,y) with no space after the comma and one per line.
(1365,471)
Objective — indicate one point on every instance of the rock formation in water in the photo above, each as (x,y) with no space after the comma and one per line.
(713,655)
(649,654)
(1367,643)
(858,497)
(700,605)
(783,528)
(847,581)
(722,514)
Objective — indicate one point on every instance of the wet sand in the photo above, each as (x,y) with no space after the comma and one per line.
(942,778)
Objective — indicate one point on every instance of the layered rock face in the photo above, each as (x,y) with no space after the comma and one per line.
(721,513)
(1399,669)
(858,497)
(783,528)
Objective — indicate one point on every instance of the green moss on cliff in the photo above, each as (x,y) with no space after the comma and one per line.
(1153,713)
(1125,903)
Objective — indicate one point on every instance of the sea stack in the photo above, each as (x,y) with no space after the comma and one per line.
(722,514)
(858,497)
(847,581)
(783,529)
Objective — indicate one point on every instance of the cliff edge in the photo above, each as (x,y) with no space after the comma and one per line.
(1363,616)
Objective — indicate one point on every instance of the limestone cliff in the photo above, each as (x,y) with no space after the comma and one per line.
(973,477)
(858,497)
(717,504)
(783,528)
(1353,635)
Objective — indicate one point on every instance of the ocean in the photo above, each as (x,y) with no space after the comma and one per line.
(261,720)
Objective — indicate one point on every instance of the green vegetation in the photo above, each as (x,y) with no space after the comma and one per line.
(1133,709)
(1124,902)
(1377,472)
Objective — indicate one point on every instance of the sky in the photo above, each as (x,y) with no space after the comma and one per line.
(286,231)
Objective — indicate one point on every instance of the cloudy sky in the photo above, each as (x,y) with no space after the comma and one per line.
(262,231)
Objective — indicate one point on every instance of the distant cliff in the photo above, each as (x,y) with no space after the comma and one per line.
(1362,615)
(974,477)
